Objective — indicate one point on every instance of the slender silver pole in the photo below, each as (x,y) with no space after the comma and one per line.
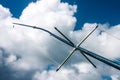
(66,59)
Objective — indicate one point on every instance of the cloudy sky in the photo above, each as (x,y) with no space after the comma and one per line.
(29,54)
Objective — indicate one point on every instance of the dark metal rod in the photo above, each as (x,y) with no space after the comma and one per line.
(88,59)
(100,58)
(64,36)
(55,36)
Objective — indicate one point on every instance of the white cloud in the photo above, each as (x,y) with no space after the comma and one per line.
(4,13)
(115,77)
(33,50)
(69,74)
(11,59)
(32,45)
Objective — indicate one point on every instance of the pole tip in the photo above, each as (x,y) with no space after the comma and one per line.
(55,27)
(97,26)
(57,69)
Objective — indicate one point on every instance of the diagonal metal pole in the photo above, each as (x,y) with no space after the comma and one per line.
(87,36)
(74,49)
(64,36)
(66,59)
(88,59)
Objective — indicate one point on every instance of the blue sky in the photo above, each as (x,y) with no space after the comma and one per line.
(92,11)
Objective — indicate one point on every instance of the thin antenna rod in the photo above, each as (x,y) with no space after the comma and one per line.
(64,36)
(87,36)
(88,59)
(66,59)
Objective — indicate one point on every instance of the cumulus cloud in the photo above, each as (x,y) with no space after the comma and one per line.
(35,54)
(81,73)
